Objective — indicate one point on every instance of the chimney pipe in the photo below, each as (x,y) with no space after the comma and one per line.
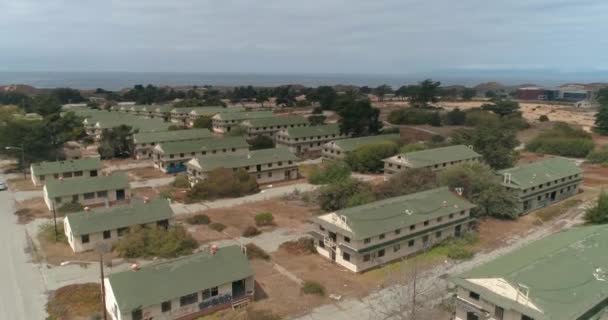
(146,199)
(135,267)
(213,249)
(87,209)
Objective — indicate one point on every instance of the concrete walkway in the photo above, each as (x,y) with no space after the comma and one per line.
(159,182)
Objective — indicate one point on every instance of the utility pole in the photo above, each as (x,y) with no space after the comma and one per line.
(103,287)
(54,218)
(23,161)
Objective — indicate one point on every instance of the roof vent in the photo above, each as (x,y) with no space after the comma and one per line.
(135,267)
(408,212)
(146,199)
(444,204)
(87,209)
(248,156)
(507,178)
(60,178)
(214,249)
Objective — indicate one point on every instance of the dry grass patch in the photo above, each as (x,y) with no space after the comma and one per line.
(31,209)
(55,251)
(556,210)
(78,302)
(20,184)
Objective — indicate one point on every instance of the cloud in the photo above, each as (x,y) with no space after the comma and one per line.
(335,36)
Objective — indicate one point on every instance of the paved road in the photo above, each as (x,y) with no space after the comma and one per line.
(22,291)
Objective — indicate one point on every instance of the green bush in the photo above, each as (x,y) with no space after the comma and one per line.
(217,226)
(598,156)
(455,117)
(477,116)
(598,214)
(331,173)
(222,183)
(250,232)
(46,231)
(413,147)
(261,142)
(340,195)
(203,122)
(415,116)
(181,181)
(543,118)
(148,242)
(255,252)
(313,287)
(301,246)
(562,140)
(368,158)
(459,253)
(70,207)
(198,219)
(264,219)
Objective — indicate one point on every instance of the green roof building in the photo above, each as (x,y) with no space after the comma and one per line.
(367,236)
(183,288)
(539,184)
(267,165)
(224,122)
(171,157)
(44,171)
(145,142)
(87,229)
(88,191)
(270,126)
(561,277)
(308,141)
(434,159)
(338,149)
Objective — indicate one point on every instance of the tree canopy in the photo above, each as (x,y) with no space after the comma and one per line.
(359,118)
(598,214)
(493,140)
(601,117)
(425,93)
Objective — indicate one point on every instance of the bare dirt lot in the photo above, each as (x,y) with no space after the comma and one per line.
(287,214)
(21,184)
(31,209)
(145,173)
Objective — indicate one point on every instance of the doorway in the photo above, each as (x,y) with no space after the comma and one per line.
(238,289)
(120,194)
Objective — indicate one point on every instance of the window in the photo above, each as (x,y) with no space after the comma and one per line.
(84,238)
(381,253)
(398,231)
(473,295)
(426,223)
(382,236)
(209,293)
(451,216)
(411,243)
(321,228)
(367,240)
(137,314)
(270,165)
(89,196)
(412,227)
(165,306)
(499,313)
(188,299)
(438,234)
(41,178)
(525,317)
(366,257)
(345,256)
(181,155)
(57,199)
(396,247)
(425,238)
(321,244)
(102,194)
(280,163)
(107,234)
(462,213)
(78,174)
(122,231)
(269,174)
(439,219)
(93,173)
(472,316)
(346,239)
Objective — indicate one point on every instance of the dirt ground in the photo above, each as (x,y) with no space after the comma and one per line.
(145,173)
(75,302)
(31,209)
(56,252)
(287,214)
(20,184)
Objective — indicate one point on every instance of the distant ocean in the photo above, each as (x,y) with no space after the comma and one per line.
(120,80)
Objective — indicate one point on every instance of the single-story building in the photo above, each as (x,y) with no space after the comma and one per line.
(88,191)
(370,235)
(199,112)
(308,140)
(44,171)
(186,115)
(223,122)
(338,149)
(539,184)
(434,159)
(145,142)
(87,229)
(270,126)
(184,288)
(171,157)
(267,165)
(562,276)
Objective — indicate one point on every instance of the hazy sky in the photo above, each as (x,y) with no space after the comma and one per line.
(326,36)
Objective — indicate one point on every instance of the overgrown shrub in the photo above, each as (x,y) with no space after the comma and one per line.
(255,252)
(368,158)
(598,156)
(147,242)
(598,214)
(342,194)
(221,183)
(460,253)
(455,117)
(219,227)
(330,173)
(562,140)
(264,219)
(413,147)
(414,116)
(301,246)
(46,231)
(250,232)
(198,219)
(70,207)
(543,118)
(181,181)
(261,315)
(406,182)
(261,142)
(477,116)
(313,287)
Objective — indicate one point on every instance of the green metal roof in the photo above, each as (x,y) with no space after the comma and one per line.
(44,168)
(68,187)
(255,157)
(389,214)
(431,157)
(211,110)
(203,145)
(156,283)
(235,116)
(136,122)
(275,121)
(540,172)
(175,135)
(566,273)
(135,213)
(349,145)
(313,131)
